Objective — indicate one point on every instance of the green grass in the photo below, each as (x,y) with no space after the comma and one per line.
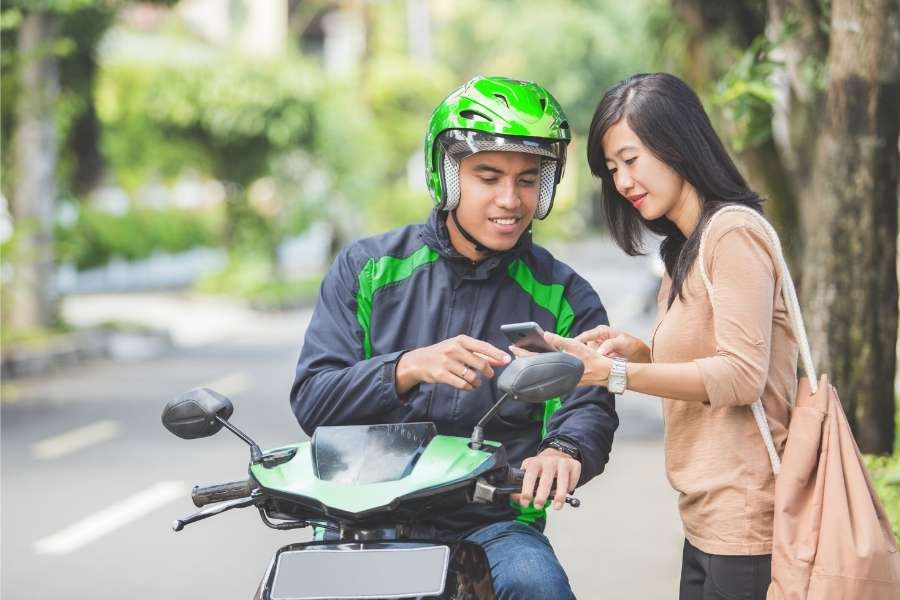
(885,472)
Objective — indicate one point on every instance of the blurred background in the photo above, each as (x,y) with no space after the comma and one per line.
(178,175)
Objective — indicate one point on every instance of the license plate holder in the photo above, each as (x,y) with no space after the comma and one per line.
(344,571)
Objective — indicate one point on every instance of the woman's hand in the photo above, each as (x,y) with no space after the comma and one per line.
(614,342)
(596,366)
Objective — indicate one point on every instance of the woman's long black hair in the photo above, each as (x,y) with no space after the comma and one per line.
(670,121)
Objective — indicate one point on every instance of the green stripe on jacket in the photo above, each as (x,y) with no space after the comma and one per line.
(552,298)
(376,274)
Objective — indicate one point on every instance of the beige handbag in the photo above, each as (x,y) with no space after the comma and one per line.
(832,539)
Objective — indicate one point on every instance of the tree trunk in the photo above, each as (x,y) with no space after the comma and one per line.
(34,172)
(850,274)
(767,174)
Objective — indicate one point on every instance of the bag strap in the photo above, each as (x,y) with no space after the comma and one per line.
(789,293)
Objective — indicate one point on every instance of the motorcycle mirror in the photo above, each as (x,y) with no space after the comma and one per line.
(541,377)
(198,413)
(532,379)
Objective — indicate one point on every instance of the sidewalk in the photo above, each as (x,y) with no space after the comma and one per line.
(624,543)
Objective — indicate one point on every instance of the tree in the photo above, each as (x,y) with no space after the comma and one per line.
(34,174)
(829,147)
(49,120)
(850,224)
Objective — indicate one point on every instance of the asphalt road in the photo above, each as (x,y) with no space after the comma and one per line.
(91,481)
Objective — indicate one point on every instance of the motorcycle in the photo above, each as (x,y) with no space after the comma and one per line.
(364,488)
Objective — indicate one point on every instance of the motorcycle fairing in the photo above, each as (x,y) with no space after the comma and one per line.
(446,462)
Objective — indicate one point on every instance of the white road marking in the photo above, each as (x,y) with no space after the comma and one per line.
(109,519)
(230,385)
(76,439)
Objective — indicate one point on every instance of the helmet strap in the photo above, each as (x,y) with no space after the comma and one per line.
(479,247)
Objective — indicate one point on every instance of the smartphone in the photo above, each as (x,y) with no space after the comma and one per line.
(528,335)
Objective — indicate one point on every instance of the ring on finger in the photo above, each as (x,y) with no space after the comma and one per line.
(464,373)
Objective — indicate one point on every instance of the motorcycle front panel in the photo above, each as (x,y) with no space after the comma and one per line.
(368,468)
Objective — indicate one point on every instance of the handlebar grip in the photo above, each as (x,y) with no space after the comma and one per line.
(515,477)
(203,495)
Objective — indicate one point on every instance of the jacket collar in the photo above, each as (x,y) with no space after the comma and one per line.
(434,233)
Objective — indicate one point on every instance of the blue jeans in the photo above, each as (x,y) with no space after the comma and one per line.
(523,565)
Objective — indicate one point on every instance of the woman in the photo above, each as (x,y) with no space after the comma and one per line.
(664,169)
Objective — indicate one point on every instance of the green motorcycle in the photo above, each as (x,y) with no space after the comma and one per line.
(364,488)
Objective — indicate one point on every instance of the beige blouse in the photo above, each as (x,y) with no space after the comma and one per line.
(744,348)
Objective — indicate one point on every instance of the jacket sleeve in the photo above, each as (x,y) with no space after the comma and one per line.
(335,384)
(587,416)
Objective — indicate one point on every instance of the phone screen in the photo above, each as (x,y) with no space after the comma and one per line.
(527,335)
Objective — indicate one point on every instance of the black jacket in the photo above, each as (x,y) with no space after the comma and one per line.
(409,288)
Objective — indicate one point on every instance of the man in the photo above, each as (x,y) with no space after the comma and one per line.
(407,327)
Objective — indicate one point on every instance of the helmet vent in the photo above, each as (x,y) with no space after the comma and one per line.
(564,125)
(474,116)
(543,104)
(502,99)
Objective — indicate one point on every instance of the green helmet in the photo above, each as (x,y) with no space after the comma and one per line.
(495,114)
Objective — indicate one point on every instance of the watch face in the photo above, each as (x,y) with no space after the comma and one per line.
(616,381)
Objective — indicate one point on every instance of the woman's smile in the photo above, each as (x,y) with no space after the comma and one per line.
(637,199)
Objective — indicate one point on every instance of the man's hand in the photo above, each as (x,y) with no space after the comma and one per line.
(461,362)
(541,470)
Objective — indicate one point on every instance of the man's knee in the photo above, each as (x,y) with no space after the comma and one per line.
(530,574)
(531,584)
(522,562)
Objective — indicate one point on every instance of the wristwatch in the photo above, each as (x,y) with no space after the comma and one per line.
(617,376)
(564,447)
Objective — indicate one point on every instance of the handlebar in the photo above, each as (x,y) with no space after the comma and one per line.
(203,495)
(515,477)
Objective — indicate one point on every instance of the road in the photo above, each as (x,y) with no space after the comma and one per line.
(91,481)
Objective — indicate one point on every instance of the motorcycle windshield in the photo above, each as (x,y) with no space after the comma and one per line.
(369,453)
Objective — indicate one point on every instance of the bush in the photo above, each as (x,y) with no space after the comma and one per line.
(254,280)
(97,236)
(885,472)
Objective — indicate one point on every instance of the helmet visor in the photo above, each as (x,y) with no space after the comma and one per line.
(460,143)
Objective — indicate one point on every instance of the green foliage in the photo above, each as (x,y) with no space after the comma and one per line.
(226,117)
(35,338)
(253,279)
(97,236)
(574,49)
(397,205)
(365,138)
(123,96)
(401,95)
(745,96)
(885,472)
(348,143)
(81,25)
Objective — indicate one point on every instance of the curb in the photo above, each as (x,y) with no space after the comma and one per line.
(81,346)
